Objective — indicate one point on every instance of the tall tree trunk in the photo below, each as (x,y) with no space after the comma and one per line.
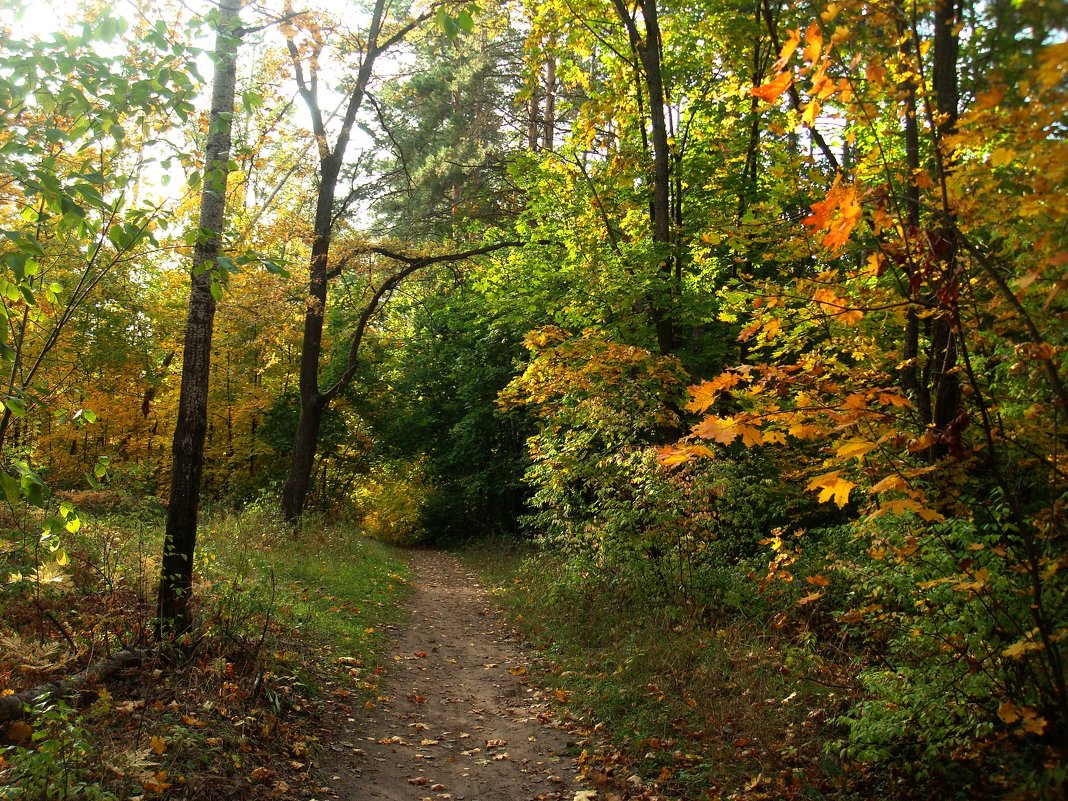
(548,133)
(176,575)
(945,383)
(312,404)
(917,390)
(306,439)
(648,49)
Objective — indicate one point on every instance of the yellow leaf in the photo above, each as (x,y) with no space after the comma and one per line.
(157,744)
(832,486)
(788,49)
(751,435)
(889,483)
(855,449)
(1018,649)
(812,110)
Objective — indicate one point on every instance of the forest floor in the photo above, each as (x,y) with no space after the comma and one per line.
(456,716)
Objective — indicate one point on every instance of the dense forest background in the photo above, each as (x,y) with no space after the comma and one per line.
(748,313)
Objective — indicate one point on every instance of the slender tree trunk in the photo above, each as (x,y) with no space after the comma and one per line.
(176,576)
(945,383)
(648,49)
(911,373)
(548,131)
(306,439)
(533,115)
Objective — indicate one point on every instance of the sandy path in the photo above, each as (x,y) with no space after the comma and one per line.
(461,721)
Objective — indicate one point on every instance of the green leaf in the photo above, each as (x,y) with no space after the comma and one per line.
(12,488)
(33,488)
(15,406)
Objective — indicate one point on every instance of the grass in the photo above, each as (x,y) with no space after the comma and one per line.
(285,621)
(665,700)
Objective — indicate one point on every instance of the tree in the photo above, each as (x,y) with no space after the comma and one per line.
(176,573)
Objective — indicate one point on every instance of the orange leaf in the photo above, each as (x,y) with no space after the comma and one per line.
(157,744)
(815,596)
(788,49)
(771,91)
(818,580)
(1033,722)
(721,430)
(1009,712)
(813,43)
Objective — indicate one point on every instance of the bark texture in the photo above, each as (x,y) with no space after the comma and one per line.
(176,576)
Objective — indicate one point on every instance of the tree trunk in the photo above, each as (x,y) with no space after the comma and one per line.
(945,383)
(548,132)
(176,575)
(302,461)
(648,50)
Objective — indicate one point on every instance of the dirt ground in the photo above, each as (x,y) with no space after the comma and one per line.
(461,720)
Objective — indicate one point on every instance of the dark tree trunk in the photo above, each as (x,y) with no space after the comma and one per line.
(945,383)
(917,390)
(176,575)
(648,49)
(306,439)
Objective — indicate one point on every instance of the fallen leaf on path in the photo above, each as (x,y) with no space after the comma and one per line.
(496,743)
(419,780)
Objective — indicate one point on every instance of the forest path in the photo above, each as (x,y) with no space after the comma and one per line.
(461,721)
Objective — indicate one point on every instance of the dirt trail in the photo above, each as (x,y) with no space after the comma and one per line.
(462,722)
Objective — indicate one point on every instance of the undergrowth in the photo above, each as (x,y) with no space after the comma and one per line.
(672,702)
(284,620)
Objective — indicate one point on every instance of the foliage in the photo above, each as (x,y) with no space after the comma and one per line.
(61,762)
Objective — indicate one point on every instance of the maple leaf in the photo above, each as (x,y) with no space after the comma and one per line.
(1033,723)
(832,486)
(814,596)
(1008,712)
(751,435)
(855,449)
(721,430)
(773,89)
(813,43)
(812,110)
(818,580)
(1018,649)
(788,48)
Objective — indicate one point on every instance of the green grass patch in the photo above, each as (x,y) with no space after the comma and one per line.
(693,707)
